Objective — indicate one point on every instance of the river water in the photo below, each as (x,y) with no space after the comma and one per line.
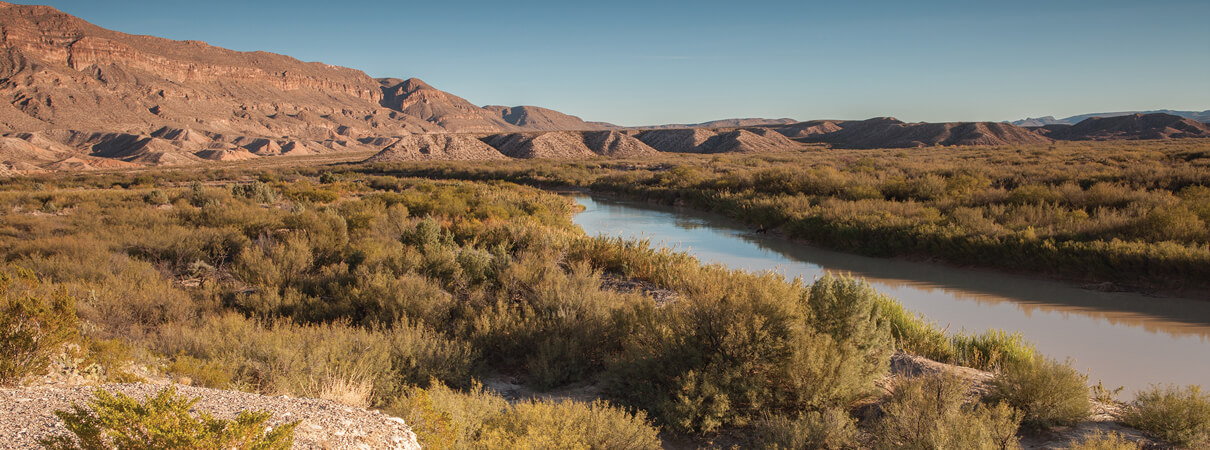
(1123,339)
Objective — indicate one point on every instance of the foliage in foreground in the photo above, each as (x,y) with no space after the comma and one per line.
(1180,415)
(443,418)
(829,429)
(751,345)
(931,412)
(117,421)
(1105,441)
(33,325)
(1047,392)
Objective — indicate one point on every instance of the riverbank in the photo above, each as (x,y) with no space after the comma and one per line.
(1112,335)
(1133,217)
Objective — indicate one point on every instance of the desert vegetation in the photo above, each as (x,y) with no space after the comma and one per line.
(163,421)
(403,294)
(1134,213)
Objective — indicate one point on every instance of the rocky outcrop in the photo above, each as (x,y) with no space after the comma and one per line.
(678,141)
(616,144)
(429,147)
(28,415)
(552,145)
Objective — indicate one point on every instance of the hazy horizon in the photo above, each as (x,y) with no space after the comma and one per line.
(681,62)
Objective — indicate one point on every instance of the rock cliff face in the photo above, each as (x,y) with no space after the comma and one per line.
(82,97)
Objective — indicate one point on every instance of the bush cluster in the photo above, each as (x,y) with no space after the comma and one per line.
(164,421)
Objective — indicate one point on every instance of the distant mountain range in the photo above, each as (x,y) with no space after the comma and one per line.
(1202,116)
(80,97)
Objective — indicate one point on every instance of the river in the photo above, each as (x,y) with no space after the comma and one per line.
(1123,339)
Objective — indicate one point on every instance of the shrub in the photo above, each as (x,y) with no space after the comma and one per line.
(847,310)
(163,422)
(157,197)
(570,424)
(1047,392)
(256,191)
(1179,415)
(1105,441)
(931,412)
(828,429)
(445,418)
(741,346)
(991,349)
(32,328)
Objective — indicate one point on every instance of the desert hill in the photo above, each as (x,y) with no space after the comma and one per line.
(702,140)
(427,147)
(81,96)
(1200,116)
(543,119)
(1134,126)
(724,123)
(888,132)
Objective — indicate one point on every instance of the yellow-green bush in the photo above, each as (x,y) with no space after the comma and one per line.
(829,429)
(163,421)
(1105,441)
(932,412)
(478,419)
(34,325)
(1180,415)
(1047,392)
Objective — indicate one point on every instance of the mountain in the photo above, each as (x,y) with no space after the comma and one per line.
(543,119)
(444,147)
(888,132)
(1133,126)
(723,123)
(81,96)
(447,111)
(702,140)
(1202,116)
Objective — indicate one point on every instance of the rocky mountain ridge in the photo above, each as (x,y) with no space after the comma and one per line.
(81,97)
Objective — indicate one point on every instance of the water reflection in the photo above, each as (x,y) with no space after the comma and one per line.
(1122,338)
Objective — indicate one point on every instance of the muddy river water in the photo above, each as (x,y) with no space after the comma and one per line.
(1123,339)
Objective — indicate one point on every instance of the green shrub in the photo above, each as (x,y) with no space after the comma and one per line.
(739,347)
(1105,441)
(33,328)
(163,422)
(281,357)
(831,428)
(1047,392)
(1176,414)
(847,310)
(477,419)
(930,412)
(157,197)
(257,191)
(991,350)
(569,424)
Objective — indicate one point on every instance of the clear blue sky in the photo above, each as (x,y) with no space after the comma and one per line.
(634,62)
